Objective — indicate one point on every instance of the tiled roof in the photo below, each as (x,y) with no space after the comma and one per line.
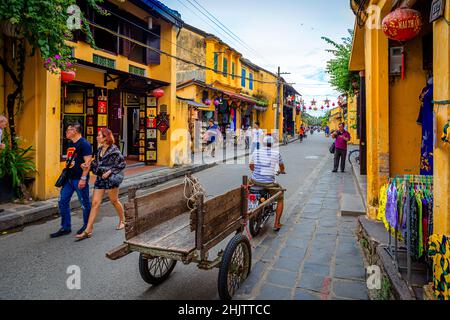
(164,11)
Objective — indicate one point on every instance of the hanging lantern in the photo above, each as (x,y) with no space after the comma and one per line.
(207,102)
(66,77)
(310,108)
(322,107)
(334,104)
(158,93)
(216,102)
(402,24)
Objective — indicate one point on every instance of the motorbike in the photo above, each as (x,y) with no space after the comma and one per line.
(259,195)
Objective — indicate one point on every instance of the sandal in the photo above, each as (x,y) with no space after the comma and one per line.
(83,236)
(278,229)
(119,226)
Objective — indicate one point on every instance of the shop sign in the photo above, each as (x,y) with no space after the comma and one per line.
(137,71)
(105,62)
(163,123)
(74,103)
(437,10)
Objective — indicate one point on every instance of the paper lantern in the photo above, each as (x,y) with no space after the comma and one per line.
(67,76)
(216,102)
(207,102)
(158,93)
(402,24)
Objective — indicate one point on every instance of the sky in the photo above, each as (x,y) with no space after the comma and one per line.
(285,33)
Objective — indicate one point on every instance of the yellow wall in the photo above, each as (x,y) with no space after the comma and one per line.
(405,135)
(442,152)
(352,119)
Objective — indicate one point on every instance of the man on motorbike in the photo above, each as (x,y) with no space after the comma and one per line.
(263,163)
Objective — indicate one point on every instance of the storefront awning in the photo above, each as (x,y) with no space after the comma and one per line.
(240,97)
(198,105)
(260,108)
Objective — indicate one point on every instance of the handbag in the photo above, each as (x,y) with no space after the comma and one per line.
(64,174)
(333,148)
(116,178)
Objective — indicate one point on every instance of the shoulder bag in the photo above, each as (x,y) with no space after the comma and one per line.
(333,148)
(64,174)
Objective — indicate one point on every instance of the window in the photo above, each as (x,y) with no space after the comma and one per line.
(233,70)
(225,67)
(244,75)
(104,39)
(216,61)
(251,81)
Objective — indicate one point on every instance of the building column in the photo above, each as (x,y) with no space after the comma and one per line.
(441,153)
(377,88)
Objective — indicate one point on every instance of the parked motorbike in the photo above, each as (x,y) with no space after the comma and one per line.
(259,195)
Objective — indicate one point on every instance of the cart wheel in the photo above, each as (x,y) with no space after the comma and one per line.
(235,266)
(156,270)
(254,226)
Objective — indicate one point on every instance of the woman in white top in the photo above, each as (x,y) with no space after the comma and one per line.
(257,136)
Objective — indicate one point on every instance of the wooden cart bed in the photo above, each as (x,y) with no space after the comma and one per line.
(174,235)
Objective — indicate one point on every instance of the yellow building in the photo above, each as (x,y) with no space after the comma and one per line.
(393,137)
(223,86)
(352,120)
(113,88)
(336,117)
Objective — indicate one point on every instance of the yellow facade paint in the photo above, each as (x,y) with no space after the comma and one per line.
(352,120)
(442,152)
(39,123)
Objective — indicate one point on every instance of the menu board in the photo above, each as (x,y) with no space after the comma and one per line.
(151,133)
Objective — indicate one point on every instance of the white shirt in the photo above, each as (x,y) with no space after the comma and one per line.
(257,135)
(266,162)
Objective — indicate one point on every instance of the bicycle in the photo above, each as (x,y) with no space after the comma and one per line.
(356,158)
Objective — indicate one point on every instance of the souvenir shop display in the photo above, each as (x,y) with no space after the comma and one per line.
(439,251)
(406,209)
(425,119)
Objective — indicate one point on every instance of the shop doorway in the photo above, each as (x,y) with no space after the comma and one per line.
(133,132)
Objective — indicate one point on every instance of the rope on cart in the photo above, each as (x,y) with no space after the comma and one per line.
(196,191)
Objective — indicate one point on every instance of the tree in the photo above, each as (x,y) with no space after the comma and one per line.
(43,25)
(342,79)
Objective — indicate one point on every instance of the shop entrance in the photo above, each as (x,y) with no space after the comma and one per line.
(133,132)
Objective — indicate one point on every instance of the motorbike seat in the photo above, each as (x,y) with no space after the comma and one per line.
(257,188)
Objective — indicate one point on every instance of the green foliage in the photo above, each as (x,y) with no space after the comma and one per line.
(43,23)
(262,100)
(338,67)
(16,163)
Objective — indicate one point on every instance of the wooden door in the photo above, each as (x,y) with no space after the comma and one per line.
(115,115)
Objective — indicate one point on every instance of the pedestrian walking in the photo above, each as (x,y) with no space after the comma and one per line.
(108,166)
(3,123)
(301,133)
(257,135)
(211,137)
(79,152)
(342,137)
(248,135)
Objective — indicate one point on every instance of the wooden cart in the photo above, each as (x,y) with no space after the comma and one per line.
(162,228)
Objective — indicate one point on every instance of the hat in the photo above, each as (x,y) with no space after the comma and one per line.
(268,140)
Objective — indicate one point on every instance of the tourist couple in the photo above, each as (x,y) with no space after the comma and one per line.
(108,166)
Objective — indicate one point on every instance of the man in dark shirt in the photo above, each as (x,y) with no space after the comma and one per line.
(80,152)
(342,138)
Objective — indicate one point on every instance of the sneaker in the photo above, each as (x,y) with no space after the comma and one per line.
(81,230)
(334,171)
(60,233)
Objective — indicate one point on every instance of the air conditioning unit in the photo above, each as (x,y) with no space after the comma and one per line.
(395,61)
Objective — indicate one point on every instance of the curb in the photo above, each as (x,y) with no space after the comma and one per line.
(50,207)
(21,219)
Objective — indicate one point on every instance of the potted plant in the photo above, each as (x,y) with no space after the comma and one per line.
(15,165)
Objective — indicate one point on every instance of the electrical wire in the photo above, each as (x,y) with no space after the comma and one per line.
(174,56)
(228,31)
(148,31)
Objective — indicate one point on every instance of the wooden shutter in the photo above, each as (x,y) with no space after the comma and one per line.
(154,41)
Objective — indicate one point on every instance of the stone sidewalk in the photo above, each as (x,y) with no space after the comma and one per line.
(316,256)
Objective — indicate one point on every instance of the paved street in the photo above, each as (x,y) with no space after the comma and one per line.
(315,256)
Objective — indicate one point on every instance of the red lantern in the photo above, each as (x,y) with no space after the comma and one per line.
(207,102)
(322,107)
(66,77)
(310,108)
(158,93)
(334,104)
(402,24)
